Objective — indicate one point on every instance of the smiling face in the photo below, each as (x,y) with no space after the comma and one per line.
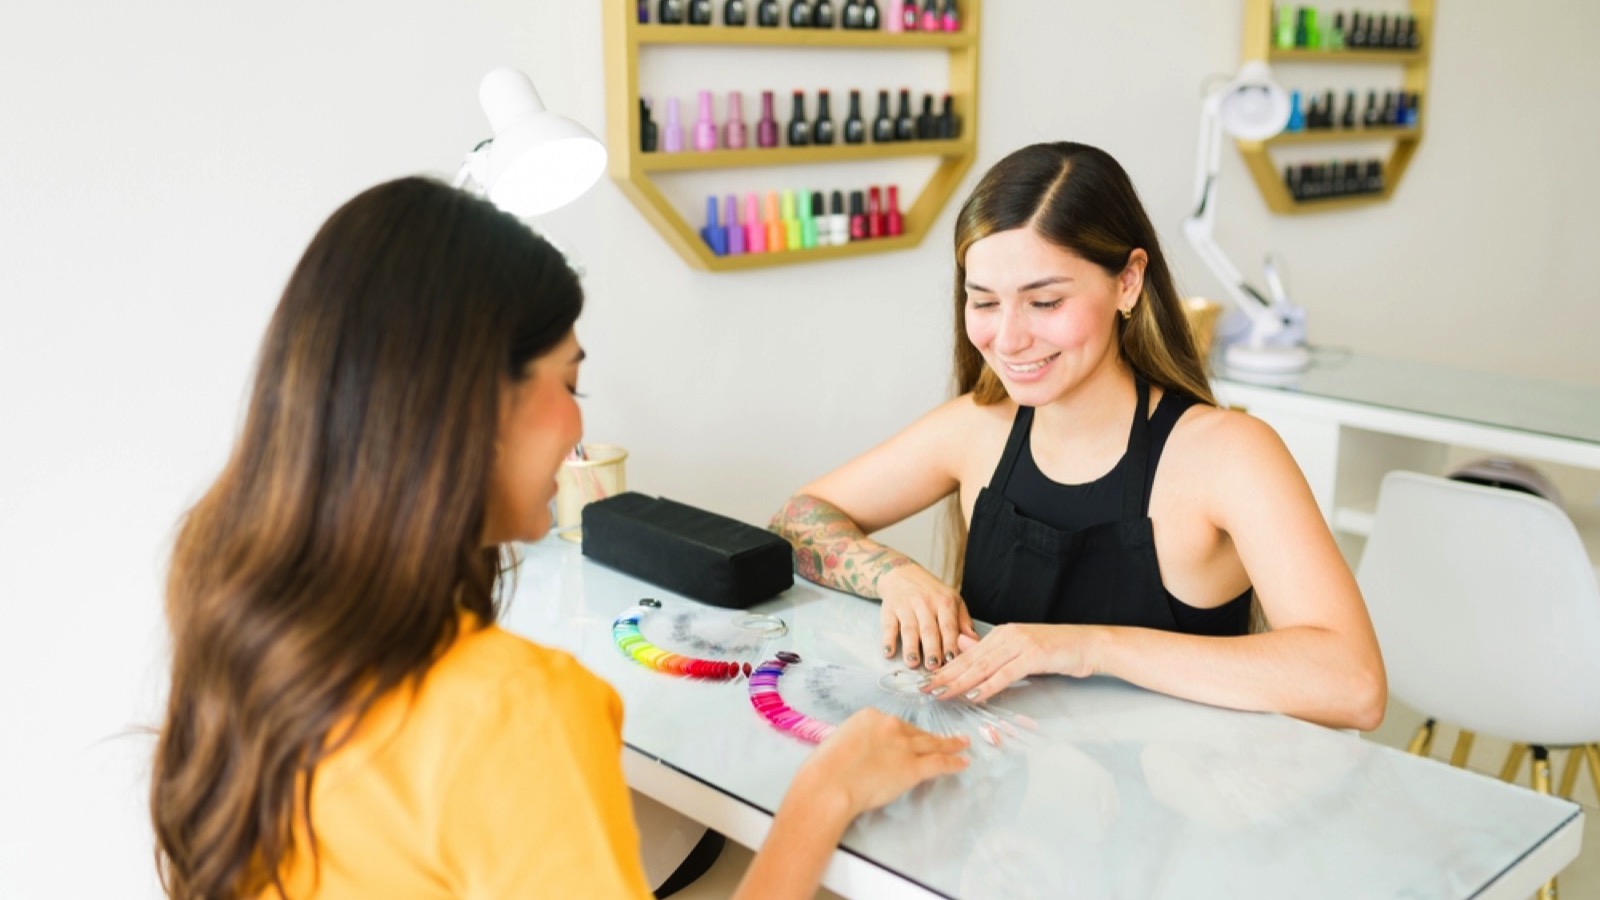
(540,424)
(1043,317)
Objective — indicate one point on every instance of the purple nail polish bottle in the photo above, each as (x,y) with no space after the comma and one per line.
(735,134)
(672,130)
(767,127)
(705,127)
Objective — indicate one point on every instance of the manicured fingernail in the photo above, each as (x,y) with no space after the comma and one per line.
(972,694)
(911,659)
(950,656)
(939,691)
(888,650)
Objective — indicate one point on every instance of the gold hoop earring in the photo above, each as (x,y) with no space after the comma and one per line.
(1127,314)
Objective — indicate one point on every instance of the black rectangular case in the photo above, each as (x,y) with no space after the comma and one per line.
(699,554)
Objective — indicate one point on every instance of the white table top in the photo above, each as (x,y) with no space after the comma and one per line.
(1127,794)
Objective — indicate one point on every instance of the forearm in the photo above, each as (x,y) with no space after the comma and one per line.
(1306,672)
(831,550)
(804,833)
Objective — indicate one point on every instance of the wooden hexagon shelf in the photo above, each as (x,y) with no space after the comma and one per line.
(634,170)
(1269,178)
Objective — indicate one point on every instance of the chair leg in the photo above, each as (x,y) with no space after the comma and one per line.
(1541,783)
(1422,742)
(1569,772)
(1593,752)
(1458,756)
(1508,772)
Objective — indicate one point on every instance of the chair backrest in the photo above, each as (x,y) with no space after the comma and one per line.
(1487,609)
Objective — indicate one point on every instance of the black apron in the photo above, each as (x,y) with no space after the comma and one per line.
(1021,570)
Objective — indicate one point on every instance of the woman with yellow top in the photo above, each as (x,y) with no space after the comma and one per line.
(345,718)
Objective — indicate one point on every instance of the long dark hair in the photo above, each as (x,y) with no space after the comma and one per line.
(330,560)
(1080,199)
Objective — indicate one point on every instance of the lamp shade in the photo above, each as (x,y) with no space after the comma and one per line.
(538,160)
(1253,107)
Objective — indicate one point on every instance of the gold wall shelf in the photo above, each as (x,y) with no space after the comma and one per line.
(633,170)
(1268,176)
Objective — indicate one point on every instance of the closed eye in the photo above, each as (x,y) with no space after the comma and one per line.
(1047,304)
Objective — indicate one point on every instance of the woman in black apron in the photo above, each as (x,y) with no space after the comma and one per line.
(1073,358)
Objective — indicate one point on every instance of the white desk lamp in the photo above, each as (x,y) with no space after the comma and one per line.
(1252,107)
(536,161)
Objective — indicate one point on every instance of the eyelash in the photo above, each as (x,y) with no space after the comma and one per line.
(1038,304)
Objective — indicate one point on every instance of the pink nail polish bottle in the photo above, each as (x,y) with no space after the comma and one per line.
(755,233)
(705,127)
(951,19)
(930,15)
(767,127)
(735,133)
(672,129)
(894,16)
(909,15)
(893,223)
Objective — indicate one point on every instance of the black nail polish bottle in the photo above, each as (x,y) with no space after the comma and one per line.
(949,124)
(1349,118)
(905,128)
(799,131)
(870,16)
(852,14)
(822,128)
(1413,39)
(1374,179)
(1390,114)
(648,134)
(1370,118)
(855,130)
(799,14)
(822,14)
(927,123)
(1357,35)
(1327,110)
(768,14)
(883,126)
(670,12)
(699,12)
(734,12)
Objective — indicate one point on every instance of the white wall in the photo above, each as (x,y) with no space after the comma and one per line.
(163,163)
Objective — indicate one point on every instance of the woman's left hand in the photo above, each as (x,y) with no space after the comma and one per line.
(1009,654)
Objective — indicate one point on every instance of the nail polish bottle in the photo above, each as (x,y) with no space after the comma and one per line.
(767,125)
(776,239)
(822,128)
(648,135)
(1297,118)
(799,131)
(808,225)
(909,17)
(1384,36)
(930,16)
(699,12)
(799,14)
(730,219)
(1413,39)
(874,213)
(1327,110)
(838,222)
(949,123)
(672,132)
(1335,38)
(883,126)
(871,17)
(1336,181)
(1291,180)
(1302,29)
(715,236)
(1348,120)
(791,222)
(927,122)
(822,14)
(644,12)
(768,14)
(735,134)
(851,14)
(1374,179)
(855,130)
(1357,35)
(705,127)
(1370,118)
(1401,112)
(817,221)
(951,20)
(755,233)
(670,12)
(858,218)
(1413,113)
(905,127)
(1387,117)
(894,20)
(894,224)
(735,12)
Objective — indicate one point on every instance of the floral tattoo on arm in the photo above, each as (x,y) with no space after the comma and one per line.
(831,550)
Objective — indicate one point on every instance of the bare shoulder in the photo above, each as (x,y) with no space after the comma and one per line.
(1223,442)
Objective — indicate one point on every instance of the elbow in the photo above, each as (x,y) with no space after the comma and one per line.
(1369,698)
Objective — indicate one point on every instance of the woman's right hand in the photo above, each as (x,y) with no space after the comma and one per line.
(923,615)
(874,757)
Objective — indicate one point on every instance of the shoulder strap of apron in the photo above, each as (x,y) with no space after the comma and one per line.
(1008,460)
(1133,498)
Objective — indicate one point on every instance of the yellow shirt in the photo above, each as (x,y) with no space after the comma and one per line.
(500,777)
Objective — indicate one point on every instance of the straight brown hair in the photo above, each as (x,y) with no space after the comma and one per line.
(1080,199)
(328,563)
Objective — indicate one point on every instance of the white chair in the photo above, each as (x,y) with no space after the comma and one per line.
(1488,613)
